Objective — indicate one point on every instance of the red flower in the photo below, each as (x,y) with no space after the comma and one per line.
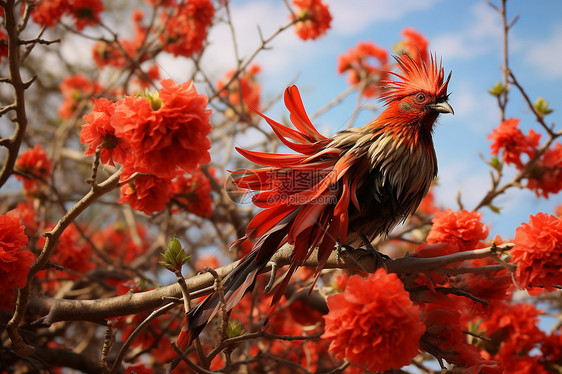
(122,242)
(415,45)
(49,12)
(74,89)
(444,338)
(546,175)
(357,62)
(513,332)
(73,251)
(193,193)
(146,193)
(508,139)
(111,53)
(3,44)
(36,166)
(370,319)
(314,19)
(186,29)
(98,132)
(169,136)
(244,92)
(86,12)
(462,231)
(207,261)
(538,252)
(108,54)
(14,261)
(552,348)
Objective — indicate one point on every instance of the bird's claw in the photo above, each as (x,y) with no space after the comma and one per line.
(341,248)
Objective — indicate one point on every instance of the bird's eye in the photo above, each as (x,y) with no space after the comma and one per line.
(420,98)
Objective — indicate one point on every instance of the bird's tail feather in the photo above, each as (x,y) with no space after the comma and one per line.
(235,285)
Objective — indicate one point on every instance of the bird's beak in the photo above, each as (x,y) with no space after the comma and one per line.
(442,107)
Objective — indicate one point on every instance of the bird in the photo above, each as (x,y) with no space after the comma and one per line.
(335,191)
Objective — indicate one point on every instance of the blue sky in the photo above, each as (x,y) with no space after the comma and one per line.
(468,36)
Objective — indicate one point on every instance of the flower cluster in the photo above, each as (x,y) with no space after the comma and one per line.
(313,17)
(159,135)
(186,29)
(365,64)
(74,89)
(34,167)
(193,193)
(72,252)
(461,231)
(508,139)
(14,260)
(85,12)
(444,338)
(120,54)
(372,317)
(414,45)
(122,242)
(242,93)
(538,252)
(514,338)
(545,174)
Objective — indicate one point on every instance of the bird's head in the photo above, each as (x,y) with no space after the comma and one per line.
(419,94)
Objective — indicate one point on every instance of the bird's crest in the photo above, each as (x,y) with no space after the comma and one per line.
(416,76)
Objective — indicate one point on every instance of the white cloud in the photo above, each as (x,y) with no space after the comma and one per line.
(350,17)
(288,49)
(544,55)
(480,36)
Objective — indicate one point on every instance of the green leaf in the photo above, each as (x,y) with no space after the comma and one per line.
(494,208)
(498,89)
(174,257)
(234,329)
(541,106)
(496,163)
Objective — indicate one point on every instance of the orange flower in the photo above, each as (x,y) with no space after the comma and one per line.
(508,139)
(546,175)
(372,317)
(86,12)
(72,251)
(445,340)
(167,132)
(314,19)
(14,260)
(146,193)
(414,45)
(36,166)
(74,89)
(360,68)
(243,92)
(48,13)
(538,252)
(194,193)
(97,131)
(462,230)
(186,30)
(513,332)
(117,241)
